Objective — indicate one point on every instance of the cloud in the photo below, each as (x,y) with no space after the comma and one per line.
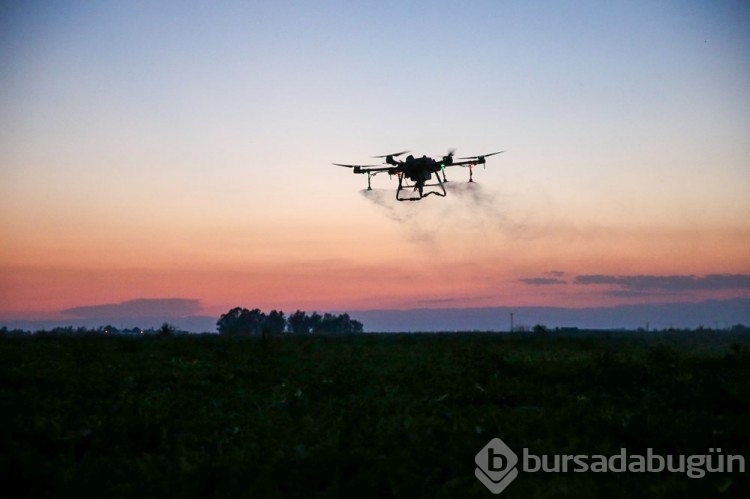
(541,281)
(553,278)
(139,308)
(639,283)
(630,293)
(449,302)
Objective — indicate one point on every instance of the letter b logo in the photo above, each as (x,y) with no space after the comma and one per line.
(495,461)
(496,465)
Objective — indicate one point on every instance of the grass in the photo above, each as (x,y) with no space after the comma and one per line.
(365,415)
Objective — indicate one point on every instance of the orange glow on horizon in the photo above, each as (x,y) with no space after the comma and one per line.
(428,275)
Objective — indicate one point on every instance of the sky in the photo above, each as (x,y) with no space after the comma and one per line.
(180,153)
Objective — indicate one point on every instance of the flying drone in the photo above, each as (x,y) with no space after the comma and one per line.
(415,175)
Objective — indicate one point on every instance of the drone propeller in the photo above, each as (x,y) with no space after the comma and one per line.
(391,155)
(448,158)
(447,161)
(482,155)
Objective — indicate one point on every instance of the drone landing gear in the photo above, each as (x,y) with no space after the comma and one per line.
(414,191)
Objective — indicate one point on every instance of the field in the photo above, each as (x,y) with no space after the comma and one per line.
(366,415)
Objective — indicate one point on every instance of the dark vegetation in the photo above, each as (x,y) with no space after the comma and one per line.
(390,415)
(241,321)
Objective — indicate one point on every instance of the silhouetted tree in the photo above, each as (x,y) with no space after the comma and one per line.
(339,324)
(349,325)
(329,324)
(314,322)
(167,329)
(231,323)
(255,319)
(243,321)
(239,321)
(274,322)
(108,329)
(298,323)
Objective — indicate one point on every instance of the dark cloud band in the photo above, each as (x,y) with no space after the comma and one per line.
(144,307)
(541,281)
(669,282)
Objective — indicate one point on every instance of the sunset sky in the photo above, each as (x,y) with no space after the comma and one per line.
(182,150)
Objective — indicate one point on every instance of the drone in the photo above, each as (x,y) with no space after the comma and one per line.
(415,175)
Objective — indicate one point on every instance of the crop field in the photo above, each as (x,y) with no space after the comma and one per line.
(366,415)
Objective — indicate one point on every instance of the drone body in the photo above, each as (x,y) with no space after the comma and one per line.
(415,175)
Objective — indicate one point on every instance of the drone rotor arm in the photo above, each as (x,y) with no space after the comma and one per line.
(354,166)
(375,169)
(360,168)
(471,162)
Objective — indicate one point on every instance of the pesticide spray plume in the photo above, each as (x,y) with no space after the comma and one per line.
(406,214)
(468,210)
(485,207)
(391,208)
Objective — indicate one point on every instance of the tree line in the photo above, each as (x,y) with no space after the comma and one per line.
(241,321)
